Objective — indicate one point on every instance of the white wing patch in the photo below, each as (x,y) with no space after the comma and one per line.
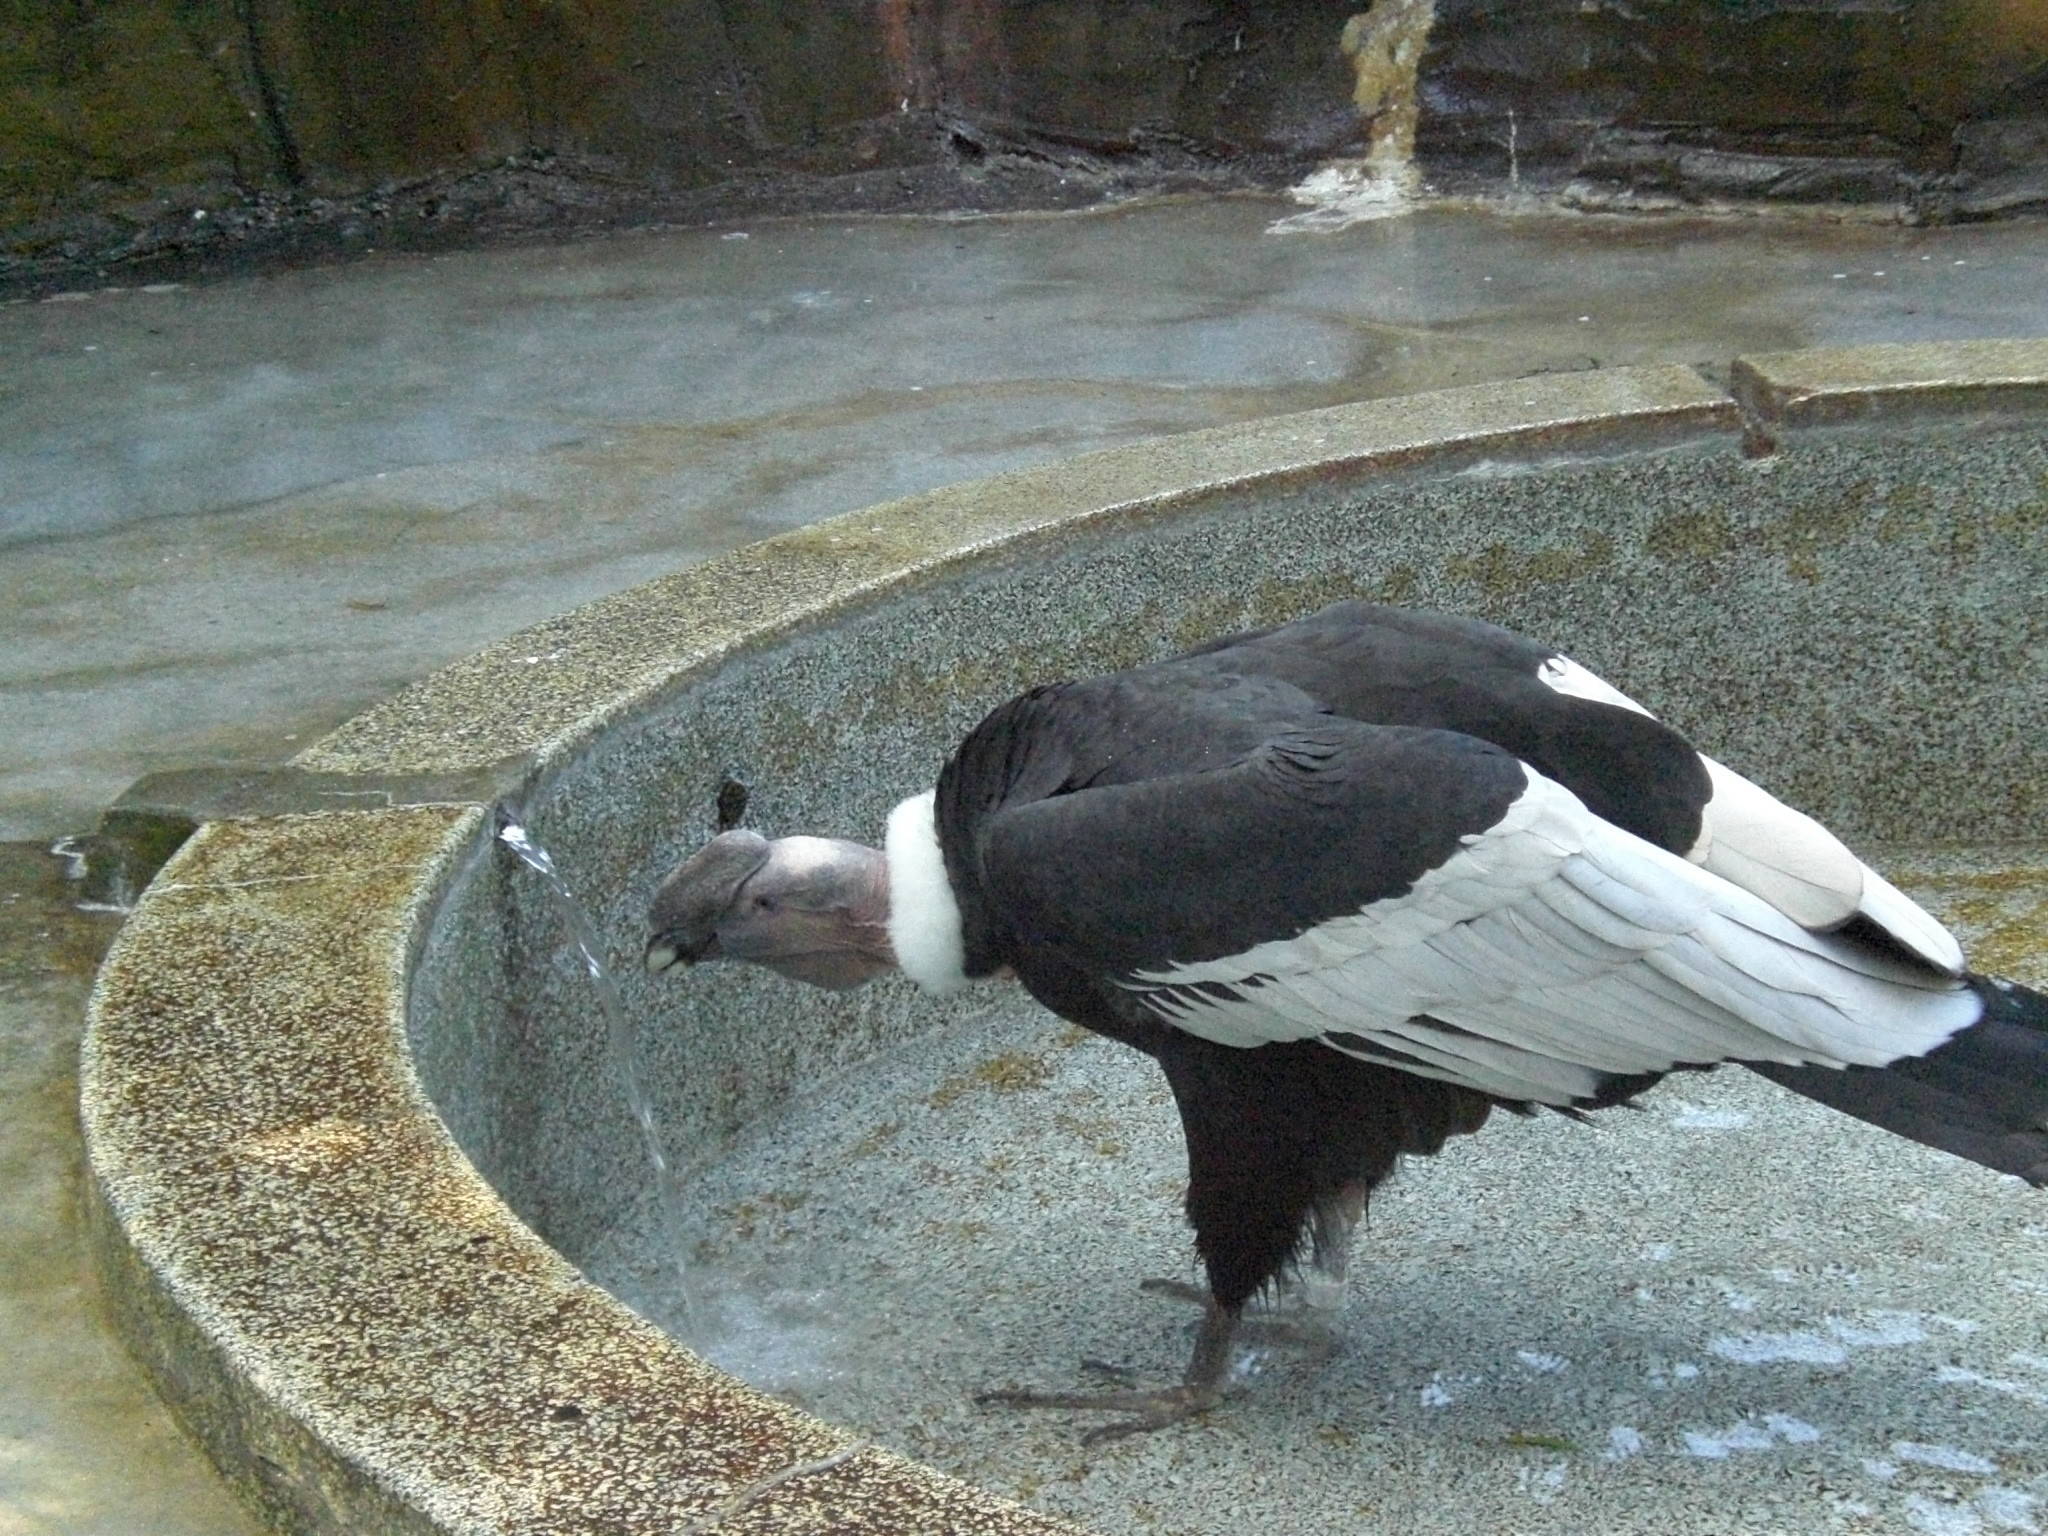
(1783,855)
(1909,922)
(1750,837)
(1566,676)
(1555,949)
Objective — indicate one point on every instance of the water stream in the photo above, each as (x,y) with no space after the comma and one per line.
(622,1042)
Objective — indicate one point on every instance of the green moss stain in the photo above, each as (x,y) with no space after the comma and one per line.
(875,1140)
(134,109)
(1912,514)
(110,105)
(2026,519)
(1690,536)
(128,848)
(966,1231)
(1813,528)
(1500,571)
(2010,926)
(1906,512)
(1097,1132)
(1399,585)
(1521,1440)
(42,935)
(1828,69)
(2001,915)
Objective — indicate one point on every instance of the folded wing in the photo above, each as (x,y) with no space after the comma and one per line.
(1531,953)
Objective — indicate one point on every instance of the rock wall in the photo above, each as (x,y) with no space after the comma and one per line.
(146,134)
(1937,106)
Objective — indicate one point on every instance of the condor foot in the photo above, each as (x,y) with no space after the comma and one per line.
(1200,1390)
(1148,1410)
(1298,1322)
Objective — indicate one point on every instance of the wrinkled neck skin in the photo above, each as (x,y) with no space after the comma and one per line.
(848,945)
(865,924)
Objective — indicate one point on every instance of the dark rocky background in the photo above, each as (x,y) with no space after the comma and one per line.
(143,138)
(1939,107)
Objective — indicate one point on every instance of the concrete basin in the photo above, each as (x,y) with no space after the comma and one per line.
(355,1141)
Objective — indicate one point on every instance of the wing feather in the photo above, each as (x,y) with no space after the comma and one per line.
(1754,840)
(1556,949)
(1571,900)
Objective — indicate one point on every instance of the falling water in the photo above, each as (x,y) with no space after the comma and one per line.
(1384,44)
(623,1043)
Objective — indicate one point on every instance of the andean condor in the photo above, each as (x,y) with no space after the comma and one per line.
(1358,880)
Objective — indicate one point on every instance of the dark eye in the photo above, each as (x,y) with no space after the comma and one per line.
(764,903)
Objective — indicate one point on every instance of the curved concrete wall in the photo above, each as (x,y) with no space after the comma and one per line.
(318,1028)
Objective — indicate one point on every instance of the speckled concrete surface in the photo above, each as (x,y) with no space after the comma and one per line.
(334,1301)
(546,689)
(235,513)
(822,752)
(1820,386)
(372,1355)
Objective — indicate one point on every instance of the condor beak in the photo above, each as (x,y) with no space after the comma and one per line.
(664,954)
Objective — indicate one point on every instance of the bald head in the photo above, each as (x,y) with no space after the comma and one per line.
(816,909)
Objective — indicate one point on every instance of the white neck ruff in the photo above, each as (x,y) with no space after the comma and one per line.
(924,919)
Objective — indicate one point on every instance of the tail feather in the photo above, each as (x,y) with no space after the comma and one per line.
(1982,1095)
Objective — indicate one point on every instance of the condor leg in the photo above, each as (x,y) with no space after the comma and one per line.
(1200,1389)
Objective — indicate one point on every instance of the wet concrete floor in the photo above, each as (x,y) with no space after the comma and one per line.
(86,1447)
(234,514)
(231,514)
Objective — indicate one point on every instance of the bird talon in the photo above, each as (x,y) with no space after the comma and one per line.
(1149,1409)
(1145,1423)
(1300,1329)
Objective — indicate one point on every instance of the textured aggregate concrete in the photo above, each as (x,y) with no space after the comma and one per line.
(900,646)
(545,689)
(403,1361)
(352,1263)
(87,1448)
